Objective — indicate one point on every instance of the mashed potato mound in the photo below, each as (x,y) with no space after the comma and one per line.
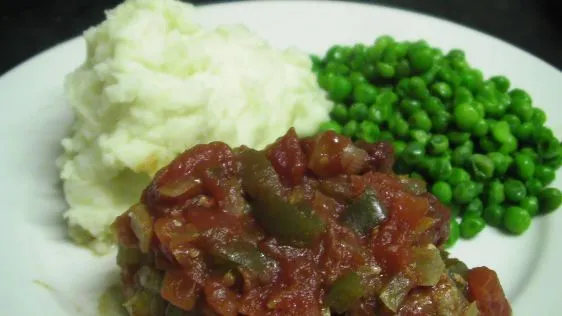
(156,83)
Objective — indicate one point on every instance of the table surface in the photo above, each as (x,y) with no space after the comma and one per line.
(29,26)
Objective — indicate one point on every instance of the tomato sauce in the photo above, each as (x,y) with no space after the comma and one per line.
(312,226)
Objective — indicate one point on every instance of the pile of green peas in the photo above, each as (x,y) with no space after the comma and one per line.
(483,149)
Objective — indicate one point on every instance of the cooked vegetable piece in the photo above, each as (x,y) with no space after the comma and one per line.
(364,213)
(294,224)
(428,265)
(394,293)
(345,292)
(141,224)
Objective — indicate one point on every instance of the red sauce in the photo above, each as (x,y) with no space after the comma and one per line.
(217,254)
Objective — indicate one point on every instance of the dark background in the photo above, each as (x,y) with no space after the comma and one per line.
(27,27)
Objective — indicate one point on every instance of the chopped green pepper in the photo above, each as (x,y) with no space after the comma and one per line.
(365,213)
(345,292)
(297,225)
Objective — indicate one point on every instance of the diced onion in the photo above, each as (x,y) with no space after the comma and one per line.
(141,224)
(429,265)
(395,292)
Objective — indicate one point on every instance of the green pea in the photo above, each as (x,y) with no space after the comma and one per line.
(493,214)
(543,134)
(516,220)
(377,114)
(356,78)
(358,111)
(418,88)
(339,88)
(474,208)
(464,192)
(413,153)
(501,132)
(466,116)
(487,145)
(515,190)
(337,68)
(359,49)
(482,166)
(374,52)
(458,175)
(368,132)
(534,186)
(545,174)
(438,144)
(365,93)
(421,59)
(458,138)
(530,152)
(521,104)
(549,200)
(471,226)
(441,169)
(389,56)
(472,79)
(445,74)
(385,70)
(461,155)
(402,88)
(402,69)
(399,147)
(456,54)
(523,111)
(330,126)
(338,53)
(410,106)
(442,90)
(454,233)
(539,117)
(525,166)
(399,127)
(401,49)
(386,136)
(513,122)
(350,128)
(386,97)
(480,128)
(339,113)
(501,83)
(442,191)
(525,131)
(479,108)
(325,80)
(420,120)
(433,105)
(463,95)
(419,136)
(549,149)
(315,59)
(521,95)
(531,205)
(495,192)
(429,76)
(440,121)
(509,146)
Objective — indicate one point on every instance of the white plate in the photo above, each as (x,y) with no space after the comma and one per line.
(35,118)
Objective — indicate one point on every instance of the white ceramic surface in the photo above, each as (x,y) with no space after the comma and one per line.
(35,117)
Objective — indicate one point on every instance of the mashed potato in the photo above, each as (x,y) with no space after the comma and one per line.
(154,84)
